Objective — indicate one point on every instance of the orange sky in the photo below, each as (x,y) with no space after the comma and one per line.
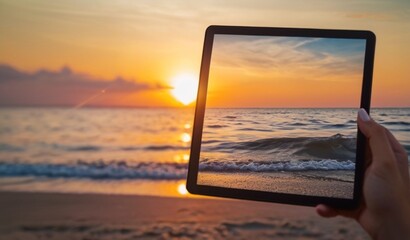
(262,71)
(151,42)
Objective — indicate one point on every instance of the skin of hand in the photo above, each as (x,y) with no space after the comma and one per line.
(384,211)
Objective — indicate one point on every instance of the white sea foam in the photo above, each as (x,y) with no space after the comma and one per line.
(328,164)
(97,170)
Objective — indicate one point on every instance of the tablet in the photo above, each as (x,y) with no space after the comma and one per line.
(276,112)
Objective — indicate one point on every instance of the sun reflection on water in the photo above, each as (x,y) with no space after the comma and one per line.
(182,189)
(181,158)
(185,138)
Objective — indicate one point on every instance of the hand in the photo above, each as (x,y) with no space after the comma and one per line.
(384,211)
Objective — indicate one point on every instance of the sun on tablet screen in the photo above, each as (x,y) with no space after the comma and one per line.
(280,114)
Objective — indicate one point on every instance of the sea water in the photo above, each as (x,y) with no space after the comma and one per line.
(281,150)
(145,151)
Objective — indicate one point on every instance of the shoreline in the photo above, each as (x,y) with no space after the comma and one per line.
(102,216)
(165,188)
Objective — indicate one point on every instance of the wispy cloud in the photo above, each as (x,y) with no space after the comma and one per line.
(63,87)
(315,57)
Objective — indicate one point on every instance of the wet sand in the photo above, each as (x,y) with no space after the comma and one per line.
(98,216)
(304,183)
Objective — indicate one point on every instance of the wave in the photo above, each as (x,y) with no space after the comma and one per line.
(94,148)
(255,129)
(338,125)
(85,148)
(398,123)
(296,124)
(216,126)
(210,141)
(4,147)
(118,170)
(335,147)
(301,165)
(165,147)
(114,170)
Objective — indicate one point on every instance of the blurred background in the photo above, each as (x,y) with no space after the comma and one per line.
(98,97)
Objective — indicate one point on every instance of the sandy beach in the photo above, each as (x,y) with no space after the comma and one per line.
(99,216)
(319,184)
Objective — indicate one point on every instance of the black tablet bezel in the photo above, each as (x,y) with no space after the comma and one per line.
(296,199)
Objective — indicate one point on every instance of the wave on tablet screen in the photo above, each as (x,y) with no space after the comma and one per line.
(337,147)
(281,154)
(299,165)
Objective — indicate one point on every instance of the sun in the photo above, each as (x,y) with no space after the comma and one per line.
(184,88)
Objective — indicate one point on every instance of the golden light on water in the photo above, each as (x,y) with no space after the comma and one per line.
(185,137)
(182,189)
(185,87)
(187,126)
(184,158)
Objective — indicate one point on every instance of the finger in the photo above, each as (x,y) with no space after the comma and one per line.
(329,212)
(379,142)
(326,211)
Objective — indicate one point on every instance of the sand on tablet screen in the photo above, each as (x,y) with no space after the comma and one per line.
(280,114)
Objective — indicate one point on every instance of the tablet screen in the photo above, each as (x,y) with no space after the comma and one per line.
(280,114)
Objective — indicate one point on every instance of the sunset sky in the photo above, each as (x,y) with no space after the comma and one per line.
(135,53)
(264,71)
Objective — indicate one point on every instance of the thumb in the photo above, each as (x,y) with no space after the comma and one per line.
(366,125)
(371,129)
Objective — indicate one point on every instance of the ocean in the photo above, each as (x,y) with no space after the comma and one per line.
(298,151)
(146,151)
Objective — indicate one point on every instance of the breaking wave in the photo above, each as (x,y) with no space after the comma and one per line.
(338,146)
(97,170)
(300,165)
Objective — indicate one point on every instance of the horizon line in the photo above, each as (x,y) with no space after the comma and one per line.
(182,107)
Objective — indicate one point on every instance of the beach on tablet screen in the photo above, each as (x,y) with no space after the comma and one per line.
(281,114)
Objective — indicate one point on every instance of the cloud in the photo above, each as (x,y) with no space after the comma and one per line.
(318,58)
(63,87)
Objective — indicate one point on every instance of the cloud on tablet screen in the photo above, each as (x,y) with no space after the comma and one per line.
(315,57)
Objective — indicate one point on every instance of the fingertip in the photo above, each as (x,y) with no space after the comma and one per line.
(363,115)
(325,211)
(321,209)
(364,122)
